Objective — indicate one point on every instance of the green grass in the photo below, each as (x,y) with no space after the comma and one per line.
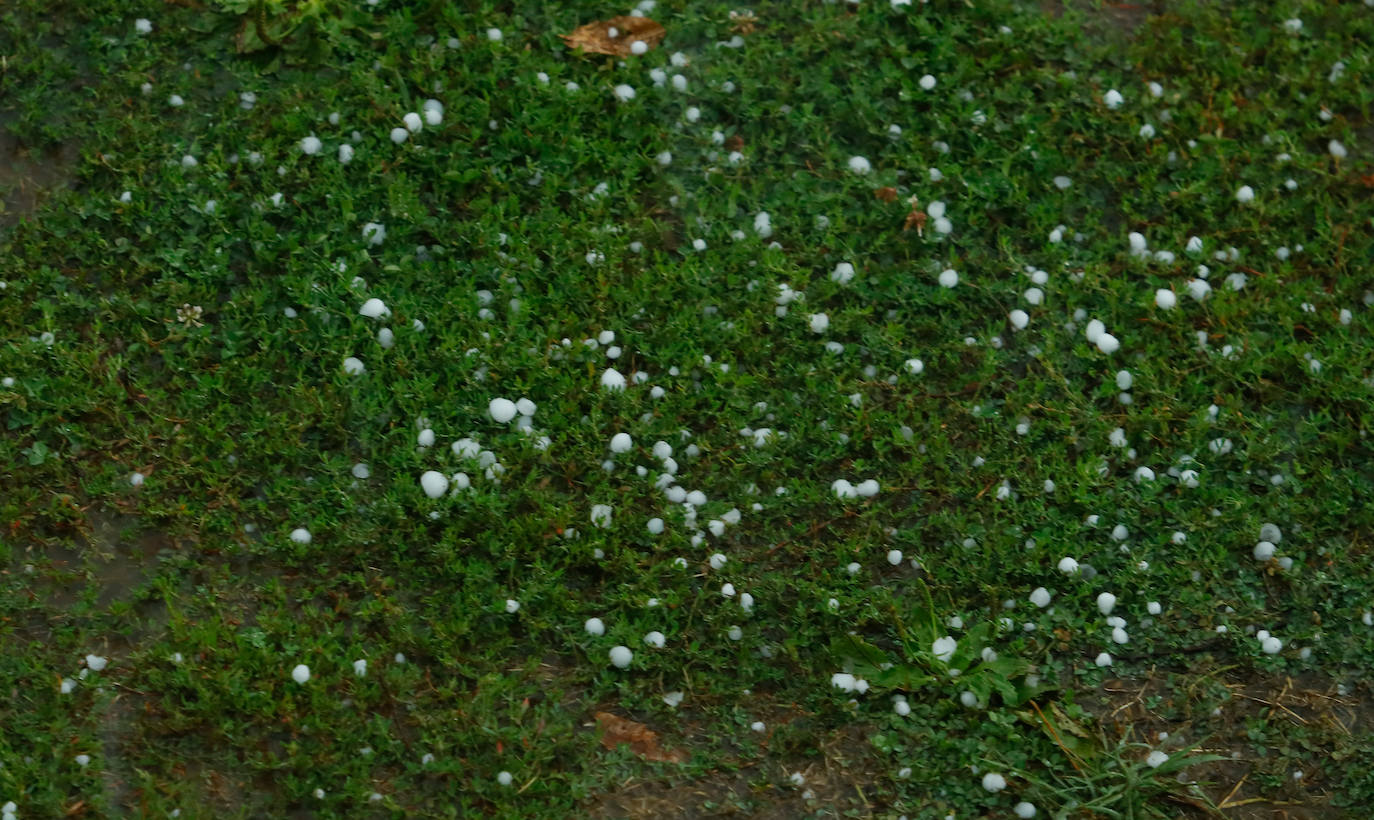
(245,425)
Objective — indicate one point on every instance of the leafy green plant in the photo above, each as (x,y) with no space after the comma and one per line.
(1113,779)
(929,657)
(307,29)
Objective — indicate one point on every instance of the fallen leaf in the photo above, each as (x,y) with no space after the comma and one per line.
(643,741)
(888,194)
(595,38)
(917,220)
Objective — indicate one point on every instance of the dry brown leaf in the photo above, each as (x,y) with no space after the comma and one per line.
(643,741)
(916,219)
(595,38)
(888,194)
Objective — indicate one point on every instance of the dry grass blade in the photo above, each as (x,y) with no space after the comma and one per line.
(597,38)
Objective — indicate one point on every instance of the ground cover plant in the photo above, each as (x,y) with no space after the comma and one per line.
(878,409)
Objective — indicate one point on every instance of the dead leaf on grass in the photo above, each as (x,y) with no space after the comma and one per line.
(643,741)
(595,38)
(888,194)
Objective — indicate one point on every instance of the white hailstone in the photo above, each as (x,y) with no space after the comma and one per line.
(136,479)
(902,708)
(360,668)
(969,699)
(601,516)
(1094,330)
(1336,149)
(1113,99)
(1124,380)
(354,366)
(512,606)
(433,111)
(894,557)
(943,648)
(374,233)
(1119,635)
(859,165)
(1120,533)
(311,145)
(843,681)
(927,82)
(1040,597)
(66,686)
(819,322)
(1049,485)
(1019,319)
(494,35)
(1147,131)
(1107,343)
(639,47)
(734,633)
(664,158)
(300,535)
(1263,551)
(1198,289)
(1156,759)
(1068,566)
(1271,645)
(655,639)
(189,161)
(399,135)
(96,663)
(504,778)
(433,483)
(1165,299)
(501,410)
(386,338)
(143,25)
(1103,659)
(1245,194)
(949,278)
(412,122)
(1144,474)
(1154,608)
(82,760)
(994,782)
(525,407)
(595,627)
(1106,602)
(1024,810)
(867,488)
(1271,532)
(843,489)
(301,673)
(623,93)
(425,438)
(1194,245)
(176,101)
(621,443)
(1188,478)
(621,656)
(612,380)
(717,561)
(843,273)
